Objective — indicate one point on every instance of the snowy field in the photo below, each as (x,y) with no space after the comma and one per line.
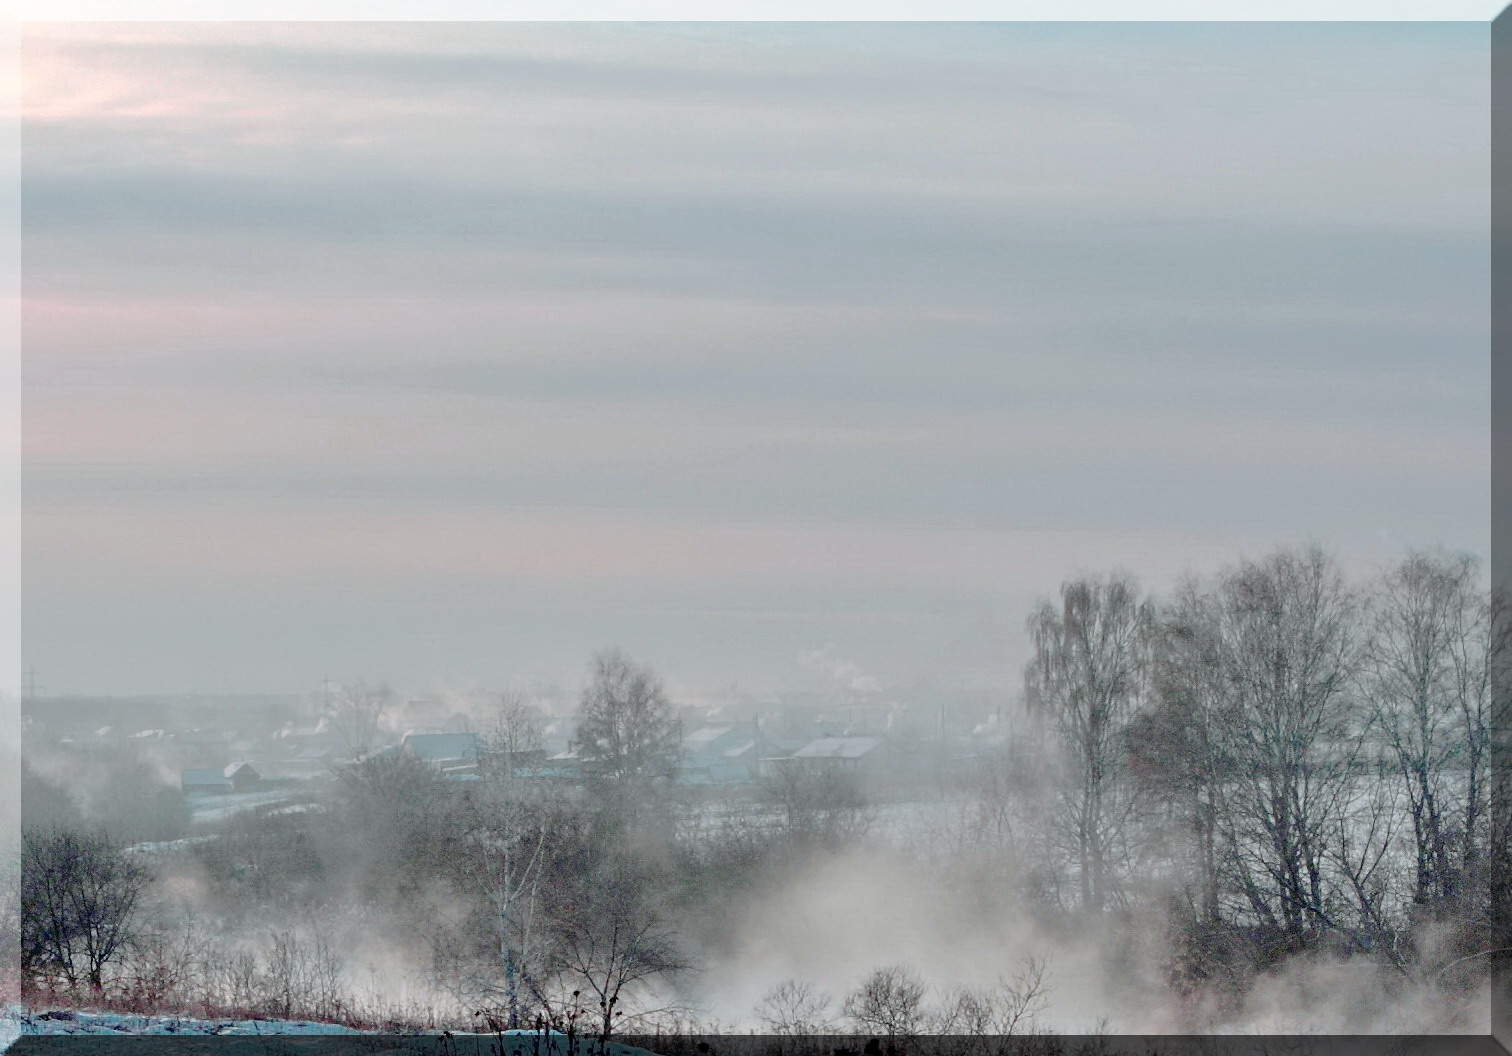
(68,1021)
(218,806)
(18,1024)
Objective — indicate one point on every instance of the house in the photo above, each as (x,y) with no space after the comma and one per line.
(204,781)
(451,753)
(724,753)
(860,755)
(242,777)
(238,777)
(711,741)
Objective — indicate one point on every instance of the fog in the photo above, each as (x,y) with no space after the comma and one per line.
(801,529)
(1101,854)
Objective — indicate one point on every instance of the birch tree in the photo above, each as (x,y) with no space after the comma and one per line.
(1087,679)
(1287,647)
(1429,682)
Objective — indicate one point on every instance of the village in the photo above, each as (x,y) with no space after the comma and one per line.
(270,853)
(229,754)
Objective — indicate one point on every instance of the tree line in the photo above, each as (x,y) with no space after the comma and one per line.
(1268,762)
(1285,760)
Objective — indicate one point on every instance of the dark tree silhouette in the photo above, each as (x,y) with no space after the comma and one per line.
(79,894)
(627,729)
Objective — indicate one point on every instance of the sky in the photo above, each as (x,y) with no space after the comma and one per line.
(449,354)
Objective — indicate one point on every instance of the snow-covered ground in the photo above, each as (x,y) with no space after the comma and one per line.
(166,847)
(218,806)
(17,1023)
(68,1021)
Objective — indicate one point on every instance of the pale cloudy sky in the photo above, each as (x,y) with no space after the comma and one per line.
(451,353)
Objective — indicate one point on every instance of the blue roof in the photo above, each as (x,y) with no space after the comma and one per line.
(208,778)
(439,747)
(839,748)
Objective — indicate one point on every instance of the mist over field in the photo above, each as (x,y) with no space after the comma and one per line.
(1260,804)
(810,529)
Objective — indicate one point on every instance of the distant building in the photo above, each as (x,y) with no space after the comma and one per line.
(204,781)
(442,749)
(716,737)
(862,755)
(238,777)
(718,754)
(456,755)
(242,777)
(725,753)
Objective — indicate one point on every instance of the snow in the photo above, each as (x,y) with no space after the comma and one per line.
(165,847)
(17,1022)
(70,1022)
(218,806)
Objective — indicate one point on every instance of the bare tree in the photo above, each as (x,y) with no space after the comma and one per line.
(299,977)
(794,1006)
(164,962)
(1176,749)
(1429,680)
(888,1001)
(79,895)
(390,815)
(1287,649)
(627,727)
(1088,678)
(614,941)
(501,854)
(10,924)
(819,808)
(355,712)
(1364,835)
(512,738)
(967,1011)
(1006,1008)
(1494,857)
(1022,996)
(509,830)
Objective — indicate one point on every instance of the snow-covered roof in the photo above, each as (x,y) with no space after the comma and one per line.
(701,738)
(839,748)
(436,747)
